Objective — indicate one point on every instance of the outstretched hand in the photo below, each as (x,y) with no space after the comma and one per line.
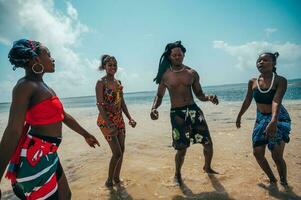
(213,99)
(92,141)
(271,129)
(154,114)
(132,123)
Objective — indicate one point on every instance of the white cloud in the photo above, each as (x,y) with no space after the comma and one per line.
(72,12)
(269,31)
(123,74)
(60,32)
(4,41)
(246,54)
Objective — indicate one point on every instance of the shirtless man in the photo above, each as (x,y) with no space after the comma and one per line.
(187,119)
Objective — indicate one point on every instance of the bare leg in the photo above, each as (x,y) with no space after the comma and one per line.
(259,152)
(179,160)
(63,188)
(208,154)
(116,156)
(277,155)
(121,139)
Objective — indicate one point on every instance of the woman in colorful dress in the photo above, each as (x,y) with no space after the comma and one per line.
(34,168)
(273,123)
(111,104)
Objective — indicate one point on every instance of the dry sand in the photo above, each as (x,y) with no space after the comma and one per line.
(148,166)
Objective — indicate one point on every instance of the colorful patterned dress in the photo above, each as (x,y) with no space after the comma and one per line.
(112,107)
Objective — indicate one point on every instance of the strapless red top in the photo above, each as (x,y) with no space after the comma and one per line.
(45,112)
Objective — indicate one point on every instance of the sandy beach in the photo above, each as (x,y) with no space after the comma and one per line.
(148,166)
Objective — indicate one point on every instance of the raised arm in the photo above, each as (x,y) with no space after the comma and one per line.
(20,101)
(246,103)
(197,90)
(158,100)
(75,126)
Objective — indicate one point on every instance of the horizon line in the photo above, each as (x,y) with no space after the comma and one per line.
(228,84)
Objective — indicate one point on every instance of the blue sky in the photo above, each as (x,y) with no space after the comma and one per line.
(222,38)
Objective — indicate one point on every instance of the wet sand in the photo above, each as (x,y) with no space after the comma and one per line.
(148,166)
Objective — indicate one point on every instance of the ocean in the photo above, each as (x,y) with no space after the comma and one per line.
(228,93)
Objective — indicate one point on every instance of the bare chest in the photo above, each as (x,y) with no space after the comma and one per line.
(174,80)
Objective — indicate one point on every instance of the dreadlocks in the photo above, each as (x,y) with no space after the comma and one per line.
(164,60)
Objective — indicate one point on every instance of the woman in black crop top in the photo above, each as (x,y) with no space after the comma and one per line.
(272,126)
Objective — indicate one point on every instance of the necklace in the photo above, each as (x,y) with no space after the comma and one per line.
(176,71)
(109,79)
(265,91)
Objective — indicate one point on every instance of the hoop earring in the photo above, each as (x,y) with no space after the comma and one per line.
(37,72)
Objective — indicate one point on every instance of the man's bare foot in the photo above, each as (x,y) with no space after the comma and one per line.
(285,185)
(178,179)
(209,170)
(109,183)
(118,181)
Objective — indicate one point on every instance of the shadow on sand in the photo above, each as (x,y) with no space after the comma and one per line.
(276,193)
(219,194)
(119,193)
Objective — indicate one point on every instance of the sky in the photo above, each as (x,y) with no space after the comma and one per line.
(223,39)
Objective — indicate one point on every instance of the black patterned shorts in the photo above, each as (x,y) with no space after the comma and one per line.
(188,126)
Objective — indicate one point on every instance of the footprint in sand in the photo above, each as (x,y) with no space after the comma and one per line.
(170,183)
(197,180)
(167,167)
(227,174)
(263,180)
(126,182)
(123,184)
(160,196)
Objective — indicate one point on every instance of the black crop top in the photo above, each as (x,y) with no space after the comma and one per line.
(264,98)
